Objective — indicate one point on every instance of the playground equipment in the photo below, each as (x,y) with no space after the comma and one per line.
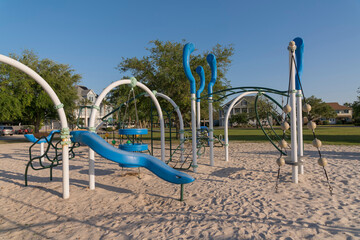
(294,109)
(133,83)
(188,49)
(296,131)
(177,155)
(127,159)
(243,91)
(133,135)
(124,158)
(46,159)
(60,109)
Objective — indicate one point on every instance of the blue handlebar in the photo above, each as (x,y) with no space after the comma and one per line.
(299,60)
(201,73)
(211,59)
(188,49)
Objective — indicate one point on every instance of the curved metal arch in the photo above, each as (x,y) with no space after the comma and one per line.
(226,130)
(238,90)
(93,116)
(60,110)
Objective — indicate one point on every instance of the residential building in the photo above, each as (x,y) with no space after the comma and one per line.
(344,114)
(245,105)
(87,98)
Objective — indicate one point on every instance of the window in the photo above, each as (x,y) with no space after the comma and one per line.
(244,103)
(244,110)
(337,111)
(346,111)
(237,110)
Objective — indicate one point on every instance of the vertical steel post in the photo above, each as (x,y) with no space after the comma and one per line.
(294,146)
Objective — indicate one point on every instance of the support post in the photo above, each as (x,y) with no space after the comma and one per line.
(193,132)
(42,152)
(211,131)
(182,192)
(188,49)
(300,129)
(211,59)
(294,146)
(91,169)
(299,52)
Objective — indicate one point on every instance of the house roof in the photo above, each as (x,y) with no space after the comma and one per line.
(83,91)
(337,106)
(247,98)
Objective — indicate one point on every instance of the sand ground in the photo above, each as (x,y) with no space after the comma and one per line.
(233,200)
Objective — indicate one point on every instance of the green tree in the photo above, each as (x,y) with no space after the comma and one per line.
(319,109)
(356,109)
(356,106)
(24,100)
(162,70)
(240,118)
(265,108)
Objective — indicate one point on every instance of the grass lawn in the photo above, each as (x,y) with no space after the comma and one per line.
(327,134)
(335,135)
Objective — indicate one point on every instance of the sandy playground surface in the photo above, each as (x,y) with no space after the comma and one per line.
(233,200)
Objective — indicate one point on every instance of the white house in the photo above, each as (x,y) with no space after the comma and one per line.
(87,98)
(245,105)
(344,114)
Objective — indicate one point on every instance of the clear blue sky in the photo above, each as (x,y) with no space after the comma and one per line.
(93,36)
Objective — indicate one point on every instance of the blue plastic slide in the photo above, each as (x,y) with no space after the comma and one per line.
(33,139)
(130,159)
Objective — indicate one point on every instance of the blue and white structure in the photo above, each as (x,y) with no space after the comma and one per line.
(293,120)
(201,73)
(211,59)
(133,83)
(188,49)
(299,63)
(60,109)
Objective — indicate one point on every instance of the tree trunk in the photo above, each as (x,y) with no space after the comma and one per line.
(37,124)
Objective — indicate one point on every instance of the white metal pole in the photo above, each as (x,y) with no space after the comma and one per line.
(91,169)
(300,129)
(60,110)
(42,152)
(193,131)
(294,151)
(211,131)
(198,116)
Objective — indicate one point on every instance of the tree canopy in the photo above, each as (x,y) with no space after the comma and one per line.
(162,70)
(240,118)
(320,109)
(356,109)
(24,100)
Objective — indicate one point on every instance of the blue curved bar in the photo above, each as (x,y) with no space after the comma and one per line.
(299,60)
(33,139)
(133,131)
(201,73)
(137,147)
(130,159)
(211,59)
(188,49)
